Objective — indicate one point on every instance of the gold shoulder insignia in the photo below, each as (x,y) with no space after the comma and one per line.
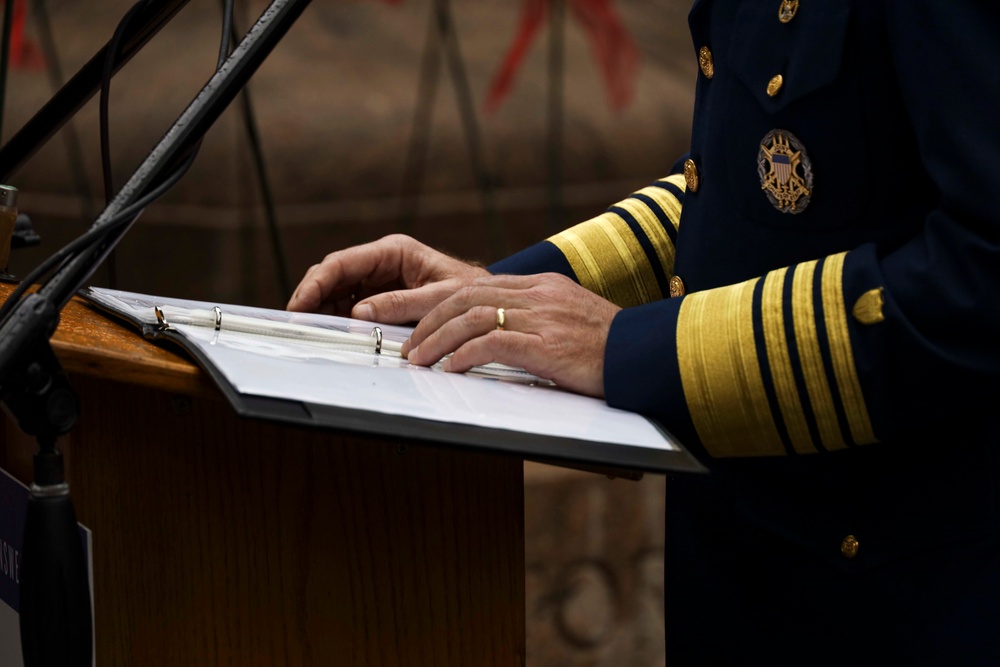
(785,171)
(868,308)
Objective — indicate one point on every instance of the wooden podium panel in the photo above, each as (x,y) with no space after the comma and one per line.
(224,541)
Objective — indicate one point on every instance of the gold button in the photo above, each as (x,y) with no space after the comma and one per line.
(774,85)
(691,175)
(849,547)
(787,10)
(676,286)
(705,61)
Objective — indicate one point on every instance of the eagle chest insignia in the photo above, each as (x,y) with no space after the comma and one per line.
(785,171)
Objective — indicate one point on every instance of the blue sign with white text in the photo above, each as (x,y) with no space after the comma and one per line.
(14,498)
(13,509)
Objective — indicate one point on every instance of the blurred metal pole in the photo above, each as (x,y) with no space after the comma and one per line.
(416,156)
(8,16)
(266,193)
(74,150)
(473,139)
(557,69)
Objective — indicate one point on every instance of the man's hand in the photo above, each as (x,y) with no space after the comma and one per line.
(553,328)
(393,280)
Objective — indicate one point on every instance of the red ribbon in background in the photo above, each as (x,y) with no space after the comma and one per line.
(24,53)
(613,48)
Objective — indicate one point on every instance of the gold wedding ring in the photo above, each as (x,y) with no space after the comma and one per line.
(501,318)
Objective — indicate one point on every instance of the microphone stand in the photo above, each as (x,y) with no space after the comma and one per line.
(55,599)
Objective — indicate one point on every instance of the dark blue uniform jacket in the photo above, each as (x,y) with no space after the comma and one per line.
(812,304)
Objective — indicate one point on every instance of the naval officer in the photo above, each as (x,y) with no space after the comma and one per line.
(810,301)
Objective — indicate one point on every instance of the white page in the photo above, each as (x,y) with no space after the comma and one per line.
(317,373)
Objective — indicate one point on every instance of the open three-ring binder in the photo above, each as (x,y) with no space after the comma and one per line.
(335,372)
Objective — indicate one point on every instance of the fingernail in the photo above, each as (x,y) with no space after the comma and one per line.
(446,365)
(363,311)
(413,352)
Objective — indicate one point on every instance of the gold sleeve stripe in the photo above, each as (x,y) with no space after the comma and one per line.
(641,275)
(608,260)
(582,261)
(654,231)
(848,385)
(607,254)
(720,373)
(811,359)
(678,181)
(754,372)
(782,375)
(667,201)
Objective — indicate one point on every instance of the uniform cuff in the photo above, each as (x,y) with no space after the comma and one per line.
(542,257)
(641,373)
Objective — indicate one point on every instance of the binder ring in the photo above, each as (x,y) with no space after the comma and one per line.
(376,334)
(161,319)
(218,318)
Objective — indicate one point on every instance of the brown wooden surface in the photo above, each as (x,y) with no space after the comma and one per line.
(224,541)
(91,343)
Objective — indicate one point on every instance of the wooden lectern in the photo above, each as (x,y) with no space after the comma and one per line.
(224,541)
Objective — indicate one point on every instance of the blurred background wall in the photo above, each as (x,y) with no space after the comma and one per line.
(337,106)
